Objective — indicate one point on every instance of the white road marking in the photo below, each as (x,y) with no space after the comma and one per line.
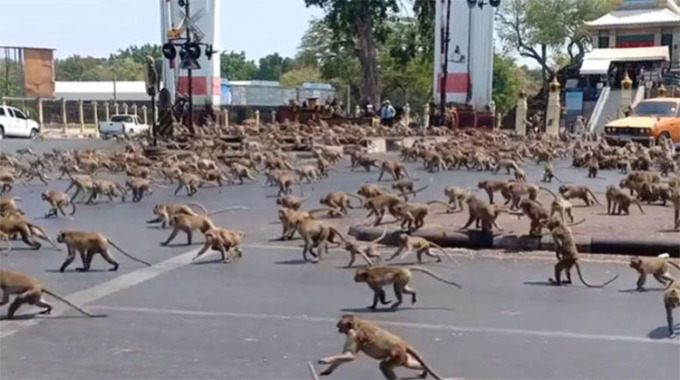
(426,326)
(82,297)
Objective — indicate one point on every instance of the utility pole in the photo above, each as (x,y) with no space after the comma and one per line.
(446,39)
(189,74)
(115,96)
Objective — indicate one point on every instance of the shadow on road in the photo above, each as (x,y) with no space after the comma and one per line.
(291,262)
(77,271)
(388,310)
(660,332)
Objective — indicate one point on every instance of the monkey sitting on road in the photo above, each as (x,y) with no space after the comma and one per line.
(88,244)
(223,240)
(57,201)
(390,349)
(567,254)
(671,300)
(399,277)
(28,290)
(656,266)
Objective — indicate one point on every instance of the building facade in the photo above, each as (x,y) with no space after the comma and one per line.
(640,23)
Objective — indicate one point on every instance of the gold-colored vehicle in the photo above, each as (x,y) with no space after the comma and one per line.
(650,119)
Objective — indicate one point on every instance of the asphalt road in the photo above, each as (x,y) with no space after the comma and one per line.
(267,315)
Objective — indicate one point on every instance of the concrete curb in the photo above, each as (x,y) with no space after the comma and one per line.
(475,239)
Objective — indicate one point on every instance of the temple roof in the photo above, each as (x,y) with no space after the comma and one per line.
(636,17)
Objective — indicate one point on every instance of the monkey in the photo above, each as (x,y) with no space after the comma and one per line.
(578,191)
(656,266)
(369,190)
(88,244)
(165,210)
(565,249)
(652,192)
(169,174)
(27,231)
(109,188)
(191,182)
(222,240)
(240,172)
(481,213)
(285,182)
(617,198)
(399,277)
(189,223)
(9,204)
(28,290)
(492,186)
(521,175)
(395,169)
(289,218)
(671,300)
(561,206)
(549,173)
(593,167)
(675,201)
(412,215)
(381,203)
(34,172)
(366,252)
(507,164)
(82,183)
(456,197)
(308,172)
(536,213)
(137,171)
(403,186)
(420,245)
(390,349)
(624,166)
(7,181)
(338,202)
(57,200)
(315,233)
(292,202)
(513,192)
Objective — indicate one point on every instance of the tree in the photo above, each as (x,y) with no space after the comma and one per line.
(360,26)
(234,66)
(536,27)
(272,67)
(506,83)
(296,77)
(10,78)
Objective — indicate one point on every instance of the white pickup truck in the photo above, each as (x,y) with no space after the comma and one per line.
(119,124)
(14,123)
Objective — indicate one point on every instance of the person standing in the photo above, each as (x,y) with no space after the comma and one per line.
(387,114)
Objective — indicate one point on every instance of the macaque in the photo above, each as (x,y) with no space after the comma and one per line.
(88,244)
(57,201)
(656,266)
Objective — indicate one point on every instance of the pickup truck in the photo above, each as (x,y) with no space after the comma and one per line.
(14,123)
(119,124)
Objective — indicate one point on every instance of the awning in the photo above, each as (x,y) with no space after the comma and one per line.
(595,66)
(636,17)
(598,60)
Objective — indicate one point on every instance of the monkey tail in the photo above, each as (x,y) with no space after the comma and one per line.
(446,253)
(580,276)
(372,241)
(421,189)
(409,176)
(64,300)
(548,191)
(435,276)
(127,254)
(448,207)
(577,223)
(595,198)
(73,208)
(43,235)
(673,263)
(200,206)
(213,184)
(361,200)
(639,206)
(219,211)
(420,360)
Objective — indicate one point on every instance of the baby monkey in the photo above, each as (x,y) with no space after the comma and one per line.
(379,344)
(656,266)
(399,277)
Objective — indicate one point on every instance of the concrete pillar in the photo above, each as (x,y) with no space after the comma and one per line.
(146,117)
(273,116)
(554,110)
(64,118)
(125,109)
(612,38)
(357,111)
(426,115)
(41,115)
(626,94)
(156,113)
(226,117)
(116,109)
(521,114)
(134,110)
(257,118)
(95,110)
(657,36)
(81,115)
(107,111)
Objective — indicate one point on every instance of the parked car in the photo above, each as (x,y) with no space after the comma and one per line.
(650,119)
(119,124)
(13,123)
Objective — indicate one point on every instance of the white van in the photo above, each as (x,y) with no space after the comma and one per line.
(13,123)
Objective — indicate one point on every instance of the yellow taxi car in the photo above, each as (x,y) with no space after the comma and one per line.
(650,119)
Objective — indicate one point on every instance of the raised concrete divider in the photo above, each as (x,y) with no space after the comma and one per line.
(475,239)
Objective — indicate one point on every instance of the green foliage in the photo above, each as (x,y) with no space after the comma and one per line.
(296,77)
(506,83)
(10,79)
(235,66)
(272,67)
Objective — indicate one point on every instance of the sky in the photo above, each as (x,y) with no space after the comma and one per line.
(100,27)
